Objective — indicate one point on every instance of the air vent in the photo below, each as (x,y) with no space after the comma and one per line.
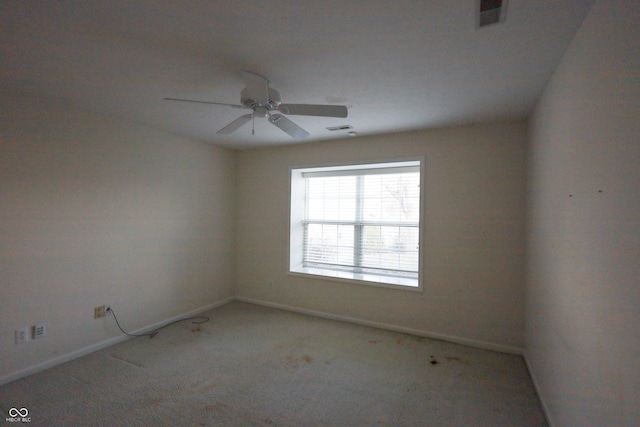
(336,128)
(492,12)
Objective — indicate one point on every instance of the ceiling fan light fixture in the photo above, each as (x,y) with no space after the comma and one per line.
(260,111)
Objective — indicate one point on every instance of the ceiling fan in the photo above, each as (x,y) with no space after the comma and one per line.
(264,101)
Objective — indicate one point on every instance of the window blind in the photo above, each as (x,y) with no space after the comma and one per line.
(364,221)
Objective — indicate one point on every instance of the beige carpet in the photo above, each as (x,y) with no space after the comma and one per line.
(256,366)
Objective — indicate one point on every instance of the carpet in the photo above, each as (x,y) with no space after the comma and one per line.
(257,366)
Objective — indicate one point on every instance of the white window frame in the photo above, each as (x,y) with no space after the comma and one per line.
(297,204)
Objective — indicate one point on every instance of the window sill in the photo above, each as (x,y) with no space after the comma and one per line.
(360,278)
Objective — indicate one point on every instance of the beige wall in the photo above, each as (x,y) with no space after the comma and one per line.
(473,234)
(98,211)
(583,290)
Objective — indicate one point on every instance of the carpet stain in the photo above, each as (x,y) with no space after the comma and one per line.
(197,328)
(457,359)
(155,402)
(433,361)
(203,389)
(291,362)
(399,341)
(295,362)
(216,407)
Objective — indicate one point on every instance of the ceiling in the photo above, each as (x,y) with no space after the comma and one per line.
(396,64)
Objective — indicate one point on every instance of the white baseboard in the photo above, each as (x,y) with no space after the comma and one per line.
(103,344)
(457,340)
(543,403)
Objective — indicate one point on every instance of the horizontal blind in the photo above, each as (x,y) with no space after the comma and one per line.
(363,222)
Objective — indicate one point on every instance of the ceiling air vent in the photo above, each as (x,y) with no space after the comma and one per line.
(343,127)
(492,12)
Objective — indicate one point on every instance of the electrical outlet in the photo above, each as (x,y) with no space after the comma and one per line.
(39,330)
(99,312)
(22,335)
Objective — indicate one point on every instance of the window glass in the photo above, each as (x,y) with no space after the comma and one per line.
(363,223)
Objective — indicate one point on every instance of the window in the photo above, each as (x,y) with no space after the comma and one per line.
(358,222)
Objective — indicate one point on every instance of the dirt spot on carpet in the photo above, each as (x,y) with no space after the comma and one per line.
(291,362)
(457,359)
(399,341)
(199,388)
(207,388)
(433,361)
(196,328)
(216,407)
(156,402)
(294,362)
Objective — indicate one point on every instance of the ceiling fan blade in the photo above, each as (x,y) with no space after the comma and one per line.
(313,110)
(205,102)
(292,129)
(235,125)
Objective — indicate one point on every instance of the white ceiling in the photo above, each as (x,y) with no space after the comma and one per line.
(396,64)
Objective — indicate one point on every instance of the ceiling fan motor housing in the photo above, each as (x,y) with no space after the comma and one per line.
(253,97)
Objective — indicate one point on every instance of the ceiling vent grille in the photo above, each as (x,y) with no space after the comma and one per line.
(491,12)
(336,128)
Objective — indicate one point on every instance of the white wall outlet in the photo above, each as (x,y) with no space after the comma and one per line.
(22,335)
(99,312)
(39,330)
